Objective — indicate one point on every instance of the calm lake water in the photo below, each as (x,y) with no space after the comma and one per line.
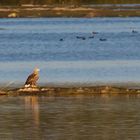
(28,43)
(53,45)
(70,118)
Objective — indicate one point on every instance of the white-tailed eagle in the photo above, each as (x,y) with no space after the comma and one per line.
(32,79)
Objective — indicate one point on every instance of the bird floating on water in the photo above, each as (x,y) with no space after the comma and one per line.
(81,37)
(134,31)
(61,39)
(94,32)
(32,79)
(91,37)
(103,39)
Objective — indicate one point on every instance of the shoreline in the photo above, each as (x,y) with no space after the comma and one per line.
(29,11)
(58,91)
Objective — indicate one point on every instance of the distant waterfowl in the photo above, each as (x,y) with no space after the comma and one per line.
(81,37)
(61,39)
(94,33)
(103,39)
(32,79)
(134,31)
(91,37)
(84,38)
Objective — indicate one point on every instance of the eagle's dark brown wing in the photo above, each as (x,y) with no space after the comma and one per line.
(32,79)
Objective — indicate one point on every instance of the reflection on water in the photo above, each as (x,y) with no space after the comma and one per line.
(73,118)
(31,103)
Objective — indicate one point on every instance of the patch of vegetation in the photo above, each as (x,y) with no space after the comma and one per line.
(65,2)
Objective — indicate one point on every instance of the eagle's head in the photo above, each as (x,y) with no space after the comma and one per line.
(36,70)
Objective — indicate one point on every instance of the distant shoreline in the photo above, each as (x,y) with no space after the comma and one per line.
(29,11)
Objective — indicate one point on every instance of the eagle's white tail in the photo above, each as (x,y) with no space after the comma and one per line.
(26,86)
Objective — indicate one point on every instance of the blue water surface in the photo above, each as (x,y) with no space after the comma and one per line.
(66,50)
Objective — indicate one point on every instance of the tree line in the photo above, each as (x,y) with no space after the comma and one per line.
(72,2)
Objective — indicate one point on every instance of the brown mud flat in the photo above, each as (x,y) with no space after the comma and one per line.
(83,11)
(70,91)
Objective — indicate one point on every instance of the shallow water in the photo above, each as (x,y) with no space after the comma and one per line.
(27,43)
(72,118)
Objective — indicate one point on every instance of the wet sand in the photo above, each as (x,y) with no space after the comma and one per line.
(69,11)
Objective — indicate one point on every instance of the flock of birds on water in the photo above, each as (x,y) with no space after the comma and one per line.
(93,36)
(90,37)
(33,77)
